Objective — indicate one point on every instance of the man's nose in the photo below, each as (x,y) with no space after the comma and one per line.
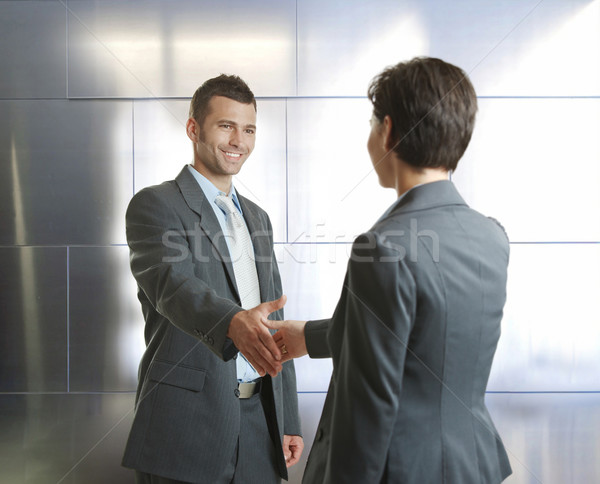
(236,138)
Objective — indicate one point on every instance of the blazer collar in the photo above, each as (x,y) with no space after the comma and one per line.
(196,200)
(191,191)
(427,196)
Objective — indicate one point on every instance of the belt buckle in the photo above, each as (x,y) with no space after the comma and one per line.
(248,389)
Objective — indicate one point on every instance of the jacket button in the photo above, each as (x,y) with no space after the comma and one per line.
(196,332)
(211,341)
(236,392)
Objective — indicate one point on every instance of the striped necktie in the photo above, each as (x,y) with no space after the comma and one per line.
(244,266)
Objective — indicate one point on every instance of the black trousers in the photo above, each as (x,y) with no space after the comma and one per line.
(254,459)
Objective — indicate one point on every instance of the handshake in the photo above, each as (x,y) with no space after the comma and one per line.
(250,333)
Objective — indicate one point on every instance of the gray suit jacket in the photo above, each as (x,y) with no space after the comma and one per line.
(187,416)
(412,341)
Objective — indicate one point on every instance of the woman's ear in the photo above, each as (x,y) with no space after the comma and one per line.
(388,134)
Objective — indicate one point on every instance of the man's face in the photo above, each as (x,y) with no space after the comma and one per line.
(225,140)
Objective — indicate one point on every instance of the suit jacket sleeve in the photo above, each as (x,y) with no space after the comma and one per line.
(164,271)
(369,335)
(315,335)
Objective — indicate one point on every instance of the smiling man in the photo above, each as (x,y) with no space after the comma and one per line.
(214,403)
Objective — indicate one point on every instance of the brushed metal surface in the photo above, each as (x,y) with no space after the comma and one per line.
(162,148)
(33,51)
(534,164)
(66,171)
(33,319)
(508,48)
(66,438)
(151,49)
(550,330)
(106,330)
(343,44)
(333,190)
(549,438)
(312,276)
(310,406)
(161,145)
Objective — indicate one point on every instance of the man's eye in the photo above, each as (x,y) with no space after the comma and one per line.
(250,131)
(226,126)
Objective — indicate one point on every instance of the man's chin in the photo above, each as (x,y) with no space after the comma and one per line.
(234,169)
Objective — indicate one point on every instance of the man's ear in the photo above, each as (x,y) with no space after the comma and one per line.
(389,143)
(192,129)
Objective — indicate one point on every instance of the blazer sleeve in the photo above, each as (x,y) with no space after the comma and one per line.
(315,336)
(369,335)
(164,271)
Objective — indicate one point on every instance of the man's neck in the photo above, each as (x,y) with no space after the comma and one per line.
(222,182)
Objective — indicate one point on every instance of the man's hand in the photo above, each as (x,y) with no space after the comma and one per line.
(292,449)
(289,337)
(253,339)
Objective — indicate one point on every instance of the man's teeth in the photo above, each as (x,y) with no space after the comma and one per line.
(234,155)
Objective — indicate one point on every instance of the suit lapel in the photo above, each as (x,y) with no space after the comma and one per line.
(195,199)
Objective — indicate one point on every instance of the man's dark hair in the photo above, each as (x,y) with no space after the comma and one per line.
(432,105)
(232,87)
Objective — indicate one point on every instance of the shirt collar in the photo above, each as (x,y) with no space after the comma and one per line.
(211,191)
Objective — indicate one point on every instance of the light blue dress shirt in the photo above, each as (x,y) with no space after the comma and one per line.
(245,371)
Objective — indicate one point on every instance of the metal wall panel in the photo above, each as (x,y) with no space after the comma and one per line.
(509,48)
(33,52)
(71,439)
(162,148)
(158,48)
(312,276)
(310,406)
(333,191)
(33,321)
(343,44)
(550,330)
(106,331)
(534,164)
(161,145)
(66,172)
(549,438)
(263,177)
